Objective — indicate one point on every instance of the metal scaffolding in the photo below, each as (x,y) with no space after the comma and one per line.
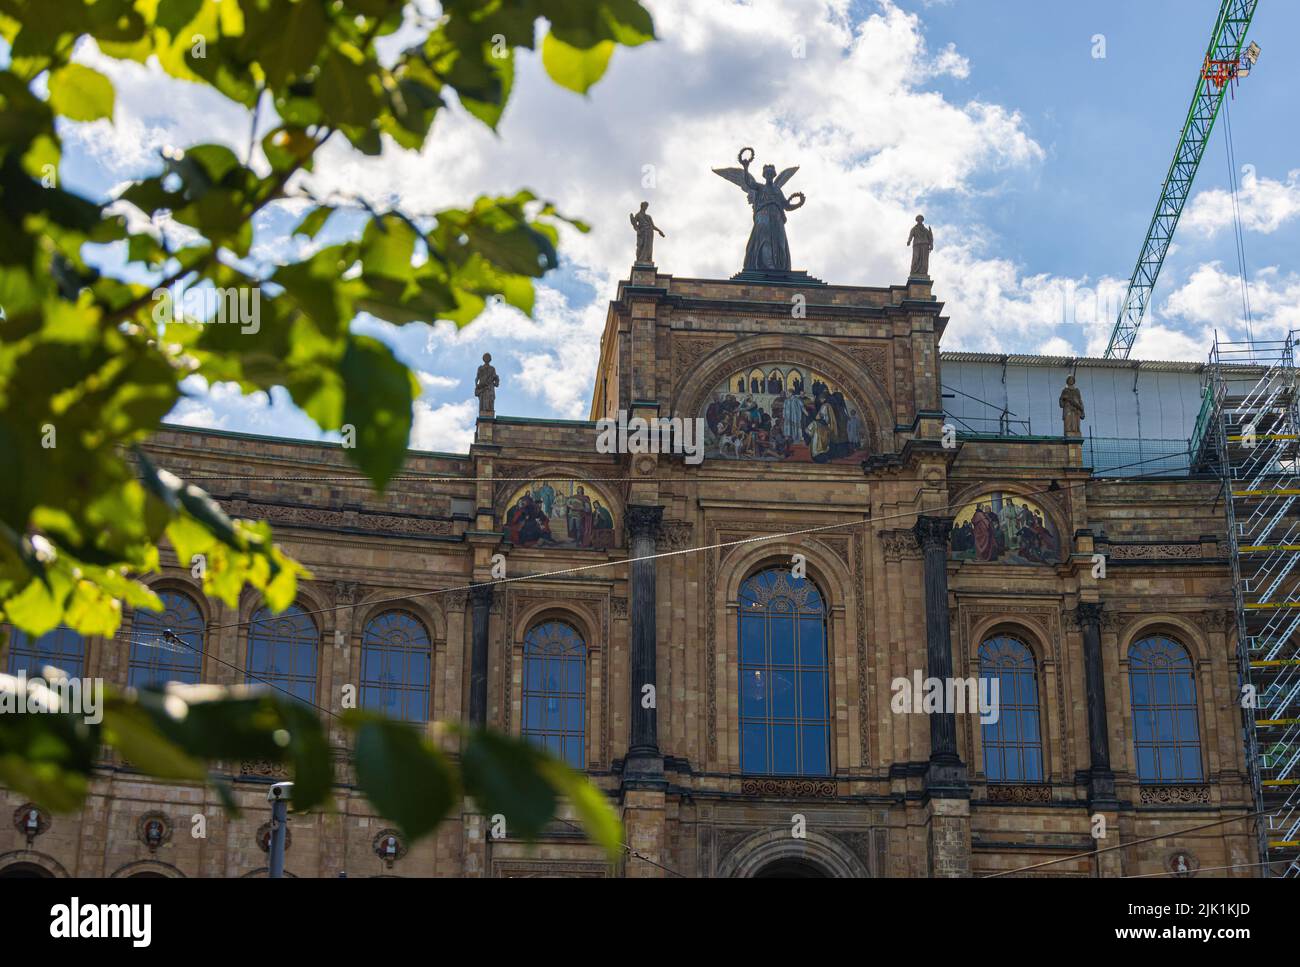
(1252,437)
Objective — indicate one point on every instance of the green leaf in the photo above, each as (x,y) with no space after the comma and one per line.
(380,392)
(313,221)
(46,756)
(80,93)
(344,91)
(573,67)
(405,778)
(505,776)
(593,807)
(132,731)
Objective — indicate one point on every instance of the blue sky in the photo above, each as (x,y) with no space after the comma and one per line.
(1037,163)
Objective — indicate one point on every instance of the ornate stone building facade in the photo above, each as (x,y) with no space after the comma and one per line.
(836,541)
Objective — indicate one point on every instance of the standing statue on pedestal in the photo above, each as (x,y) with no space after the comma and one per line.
(645,235)
(768,250)
(486,382)
(1071,408)
(921,238)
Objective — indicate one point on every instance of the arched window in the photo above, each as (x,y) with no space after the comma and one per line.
(282,652)
(1013,748)
(63,648)
(395,660)
(555,691)
(1166,735)
(784,682)
(155,658)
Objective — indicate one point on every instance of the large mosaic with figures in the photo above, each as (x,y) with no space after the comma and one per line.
(1005,528)
(559,513)
(783,411)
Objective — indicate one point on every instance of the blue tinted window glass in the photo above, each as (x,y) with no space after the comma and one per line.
(555,690)
(782,676)
(1012,744)
(1166,732)
(273,641)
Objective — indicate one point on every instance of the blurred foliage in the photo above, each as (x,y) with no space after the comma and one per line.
(90,362)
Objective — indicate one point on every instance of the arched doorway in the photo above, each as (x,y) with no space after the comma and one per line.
(774,854)
(25,871)
(791,869)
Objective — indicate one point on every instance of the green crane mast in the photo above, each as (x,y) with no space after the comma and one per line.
(1223,63)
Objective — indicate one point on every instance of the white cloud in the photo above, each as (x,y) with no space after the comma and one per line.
(430,381)
(875,145)
(1211,298)
(448,428)
(1266,204)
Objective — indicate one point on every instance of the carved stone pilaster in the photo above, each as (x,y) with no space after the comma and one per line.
(1101,780)
(644,762)
(481,597)
(946,776)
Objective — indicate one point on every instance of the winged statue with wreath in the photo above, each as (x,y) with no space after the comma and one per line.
(768,250)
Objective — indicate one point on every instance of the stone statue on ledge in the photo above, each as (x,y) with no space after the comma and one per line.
(768,250)
(921,238)
(486,382)
(645,235)
(1072,414)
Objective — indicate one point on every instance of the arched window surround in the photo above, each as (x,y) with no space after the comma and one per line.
(1185,635)
(138,615)
(1020,751)
(547,704)
(380,615)
(258,609)
(587,617)
(1031,635)
(836,583)
(784,641)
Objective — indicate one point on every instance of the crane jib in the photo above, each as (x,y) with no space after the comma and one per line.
(1221,65)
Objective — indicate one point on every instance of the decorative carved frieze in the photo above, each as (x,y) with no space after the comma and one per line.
(1143,552)
(899,544)
(345,592)
(321,517)
(689,350)
(618,607)
(1029,792)
(675,535)
(789,788)
(265,768)
(1216,620)
(1173,795)
(875,360)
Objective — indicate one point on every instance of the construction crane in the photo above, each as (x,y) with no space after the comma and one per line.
(1224,63)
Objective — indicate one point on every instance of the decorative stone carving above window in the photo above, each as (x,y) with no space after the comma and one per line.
(1029,792)
(263,767)
(1173,795)
(789,788)
(1142,552)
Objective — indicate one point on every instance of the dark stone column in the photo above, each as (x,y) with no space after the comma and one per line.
(643,524)
(1101,780)
(481,597)
(947,773)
